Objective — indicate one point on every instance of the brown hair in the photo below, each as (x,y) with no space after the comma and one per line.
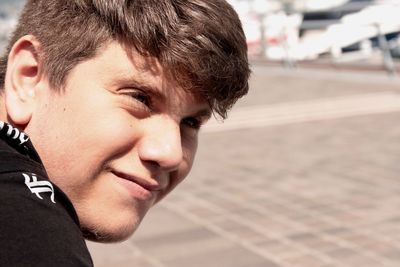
(200,42)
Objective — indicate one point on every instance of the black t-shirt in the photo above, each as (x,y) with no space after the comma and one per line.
(38,224)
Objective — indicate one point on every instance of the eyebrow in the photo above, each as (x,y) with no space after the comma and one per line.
(203,113)
(147,88)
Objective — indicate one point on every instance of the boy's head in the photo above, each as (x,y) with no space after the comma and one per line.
(112,93)
(200,43)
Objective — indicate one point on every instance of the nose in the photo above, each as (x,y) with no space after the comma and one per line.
(161,144)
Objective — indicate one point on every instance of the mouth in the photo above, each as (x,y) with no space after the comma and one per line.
(138,187)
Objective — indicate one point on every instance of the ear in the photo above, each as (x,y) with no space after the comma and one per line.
(22,80)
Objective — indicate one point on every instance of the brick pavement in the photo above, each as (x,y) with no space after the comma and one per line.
(314,194)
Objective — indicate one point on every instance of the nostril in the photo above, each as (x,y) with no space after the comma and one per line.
(152,165)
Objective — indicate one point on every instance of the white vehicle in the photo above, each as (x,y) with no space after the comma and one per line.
(371,22)
(269,31)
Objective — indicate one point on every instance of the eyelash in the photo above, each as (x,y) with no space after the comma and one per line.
(145,99)
(138,96)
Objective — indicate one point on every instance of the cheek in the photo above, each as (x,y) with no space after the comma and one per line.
(102,126)
(189,147)
(82,145)
(189,152)
(88,159)
(108,136)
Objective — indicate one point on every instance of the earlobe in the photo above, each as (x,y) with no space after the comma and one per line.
(22,80)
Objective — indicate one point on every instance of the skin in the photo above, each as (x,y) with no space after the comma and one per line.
(118,137)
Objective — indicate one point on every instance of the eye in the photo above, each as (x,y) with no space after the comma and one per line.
(192,123)
(136,99)
(141,97)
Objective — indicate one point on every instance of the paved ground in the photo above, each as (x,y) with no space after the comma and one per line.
(316,186)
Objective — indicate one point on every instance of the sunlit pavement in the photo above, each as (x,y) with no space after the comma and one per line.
(316,185)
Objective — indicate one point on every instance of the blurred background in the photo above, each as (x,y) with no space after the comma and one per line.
(305,171)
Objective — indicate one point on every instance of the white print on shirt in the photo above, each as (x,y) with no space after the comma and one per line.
(38,187)
(14,133)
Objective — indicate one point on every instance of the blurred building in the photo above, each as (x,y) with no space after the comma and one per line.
(9,10)
(294,30)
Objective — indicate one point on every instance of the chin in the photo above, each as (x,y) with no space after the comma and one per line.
(109,233)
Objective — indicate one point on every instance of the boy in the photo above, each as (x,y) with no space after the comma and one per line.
(101,105)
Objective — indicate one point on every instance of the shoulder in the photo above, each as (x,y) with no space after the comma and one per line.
(36,225)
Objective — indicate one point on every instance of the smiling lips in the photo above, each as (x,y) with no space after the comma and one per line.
(138,187)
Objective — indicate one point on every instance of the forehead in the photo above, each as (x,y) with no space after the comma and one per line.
(123,65)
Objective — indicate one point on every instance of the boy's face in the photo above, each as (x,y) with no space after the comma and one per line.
(117,139)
